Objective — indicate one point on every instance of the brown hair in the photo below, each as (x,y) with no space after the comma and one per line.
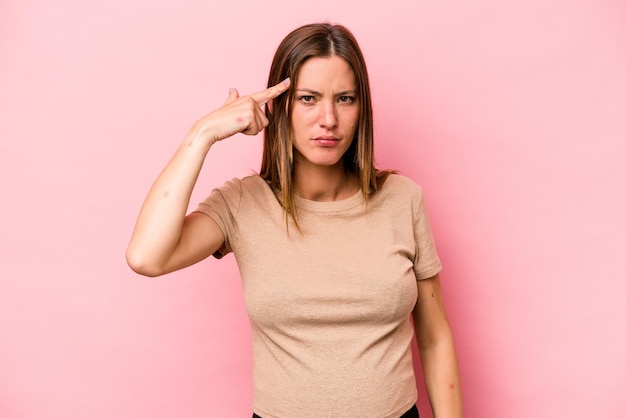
(316,40)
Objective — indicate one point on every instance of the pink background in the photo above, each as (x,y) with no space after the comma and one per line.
(512,115)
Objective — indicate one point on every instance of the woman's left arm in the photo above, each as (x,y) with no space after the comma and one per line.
(436,349)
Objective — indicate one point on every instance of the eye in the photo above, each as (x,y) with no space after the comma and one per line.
(306,99)
(346,99)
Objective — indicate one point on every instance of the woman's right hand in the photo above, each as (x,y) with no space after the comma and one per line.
(243,114)
(165,239)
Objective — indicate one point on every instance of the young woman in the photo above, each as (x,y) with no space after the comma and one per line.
(332,252)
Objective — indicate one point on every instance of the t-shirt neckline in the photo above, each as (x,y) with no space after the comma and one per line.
(329,206)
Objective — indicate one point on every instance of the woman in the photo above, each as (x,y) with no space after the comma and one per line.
(332,252)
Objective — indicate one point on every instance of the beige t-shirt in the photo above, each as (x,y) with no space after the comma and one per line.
(330,308)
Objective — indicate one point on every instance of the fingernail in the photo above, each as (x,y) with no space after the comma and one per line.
(286,81)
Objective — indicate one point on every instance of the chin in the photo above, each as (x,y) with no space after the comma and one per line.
(327,162)
(325,159)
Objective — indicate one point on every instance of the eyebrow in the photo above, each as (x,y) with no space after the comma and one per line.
(317,93)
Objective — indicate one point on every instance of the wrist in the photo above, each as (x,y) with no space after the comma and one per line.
(201,135)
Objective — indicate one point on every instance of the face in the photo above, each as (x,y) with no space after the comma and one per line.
(325,113)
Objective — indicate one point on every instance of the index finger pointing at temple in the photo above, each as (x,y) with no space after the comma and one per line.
(271,93)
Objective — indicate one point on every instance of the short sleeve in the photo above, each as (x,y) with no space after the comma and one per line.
(426,263)
(222,205)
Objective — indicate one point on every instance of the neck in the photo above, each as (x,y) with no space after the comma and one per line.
(324,184)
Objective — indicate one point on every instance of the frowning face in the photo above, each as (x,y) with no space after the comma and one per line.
(325,113)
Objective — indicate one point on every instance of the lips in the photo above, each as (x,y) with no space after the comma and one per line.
(326,141)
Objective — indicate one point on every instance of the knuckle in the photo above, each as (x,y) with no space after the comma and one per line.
(252,104)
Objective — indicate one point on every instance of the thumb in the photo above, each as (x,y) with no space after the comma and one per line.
(233,95)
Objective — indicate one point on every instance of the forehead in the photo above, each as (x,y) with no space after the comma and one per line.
(331,71)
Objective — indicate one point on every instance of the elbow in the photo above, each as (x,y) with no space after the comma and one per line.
(140,265)
(432,335)
(440,340)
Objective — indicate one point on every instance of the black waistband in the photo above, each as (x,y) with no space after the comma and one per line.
(411,413)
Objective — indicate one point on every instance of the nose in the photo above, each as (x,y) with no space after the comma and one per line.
(328,117)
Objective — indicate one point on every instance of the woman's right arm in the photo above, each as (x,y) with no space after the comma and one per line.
(164,238)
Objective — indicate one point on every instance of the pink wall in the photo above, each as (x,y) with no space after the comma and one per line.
(512,115)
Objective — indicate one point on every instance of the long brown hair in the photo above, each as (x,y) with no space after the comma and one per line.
(316,40)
